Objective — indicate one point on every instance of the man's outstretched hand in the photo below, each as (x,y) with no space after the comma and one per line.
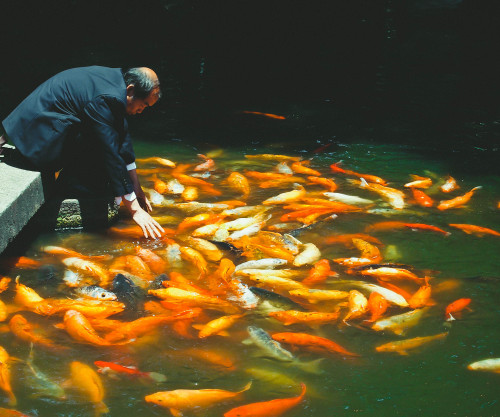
(150,227)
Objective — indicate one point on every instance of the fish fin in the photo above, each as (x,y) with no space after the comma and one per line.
(4,328)
(403,352)
(157,377)
(312,367)
(451,318)
(198,326)
(60,326)
(224,333)
(100,408)
(247,341)
(175,412)
(246,387)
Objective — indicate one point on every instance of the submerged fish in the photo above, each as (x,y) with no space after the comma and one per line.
(95,292)
(488,365)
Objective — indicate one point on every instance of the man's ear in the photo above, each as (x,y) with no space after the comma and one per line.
(130,90)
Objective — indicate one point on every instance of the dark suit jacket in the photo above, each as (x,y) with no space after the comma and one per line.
(76,104)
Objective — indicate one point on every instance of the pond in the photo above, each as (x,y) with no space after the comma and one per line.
(429,379)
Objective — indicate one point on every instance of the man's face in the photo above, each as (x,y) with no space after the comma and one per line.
(137,105)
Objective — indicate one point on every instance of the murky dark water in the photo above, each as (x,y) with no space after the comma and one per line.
(430,380)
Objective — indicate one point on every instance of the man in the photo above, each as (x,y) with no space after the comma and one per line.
(76,121)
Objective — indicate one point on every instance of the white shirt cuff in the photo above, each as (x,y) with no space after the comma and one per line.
(128,197)
(131,166)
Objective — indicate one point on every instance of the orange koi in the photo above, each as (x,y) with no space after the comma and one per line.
(402,346)
(195,257)
(208,165)
(134,232)
(319,273)
(387,273)
(218,325)
(281,182)
(419,182)
(358,305)
(456,308)
(26,296)
(300,167)
(274,157)
(377,305)
(239,183)
(367,177)
(352,262)
(88,382)
(368,250)
(400,225)
(267,176)
(421,226)
(133,264)
(422,296)
(88,268)
(23,330)
(5,384)
(268,115)
(90,308)
(143,325)
(183,328)
(69,253)
(21,262)
(197,182)
(183,399)
(314,343)
(457,201)
(449,185)
(3,311)
(272,408)
(288,317)
(221,359)
(156,264)
(475,230)
(328,183)
(190,193)
(421,198)
(4,283)
(198,220)
(80,329)
(159,185)
(157,160)
(106,367)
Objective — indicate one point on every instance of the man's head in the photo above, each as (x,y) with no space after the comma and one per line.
(143,89)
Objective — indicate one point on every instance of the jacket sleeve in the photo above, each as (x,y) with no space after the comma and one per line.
(106,122)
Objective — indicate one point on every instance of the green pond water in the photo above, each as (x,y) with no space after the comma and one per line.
(431,380)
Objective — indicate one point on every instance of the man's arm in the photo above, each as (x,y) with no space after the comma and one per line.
(141,197)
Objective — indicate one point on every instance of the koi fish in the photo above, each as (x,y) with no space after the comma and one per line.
(239,183)
(358,305)
(40,383)
(377,305)
(26,296)
(300,167)
(475,230)
(309,255)
(273,157)
(21,262)
(155,262)
(347,239)
(419,182)
(422,296)
(310,318)
(327,183)
(287,197)
(347,199)
(69,253)
(180,400)
(400,323)
(190,193)
(273,408)
(218,325)
(80,329)
(456,307)
(208,165)
(457,201)
(4,283)
(268,115)
(388,294)
(372,178)
(421,198)
(311,342)
(367,249)
(403,346)
(449,185)
(400,225)
(87,381)
(95,292)
(23,330)
(394,197)
(108,367)
(5,384)
(89,268)
(319,273)
(90,308)
(385,273)
(214,357)
(264,263)
(489,365)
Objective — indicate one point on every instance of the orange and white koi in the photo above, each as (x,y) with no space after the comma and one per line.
(419,182)
(319,273)
(301,167)
(449,185)
(394,197)
(456,308)
(400,323)
(208,165)
(111,367)
(358,305)
(421,198)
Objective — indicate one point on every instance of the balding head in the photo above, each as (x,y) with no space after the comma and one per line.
(143,89)
(144,81)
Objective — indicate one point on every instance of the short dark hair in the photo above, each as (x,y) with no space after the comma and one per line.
(143,84)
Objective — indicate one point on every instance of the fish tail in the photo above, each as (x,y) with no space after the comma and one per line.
(451,318)
(100,408)
(157,377)
(363,184)
(12,399)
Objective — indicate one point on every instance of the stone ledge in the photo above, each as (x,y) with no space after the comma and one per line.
(21,195)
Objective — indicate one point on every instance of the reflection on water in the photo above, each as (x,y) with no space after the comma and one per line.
(429,377)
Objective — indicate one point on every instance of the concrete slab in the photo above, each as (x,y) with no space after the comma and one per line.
(21,195)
